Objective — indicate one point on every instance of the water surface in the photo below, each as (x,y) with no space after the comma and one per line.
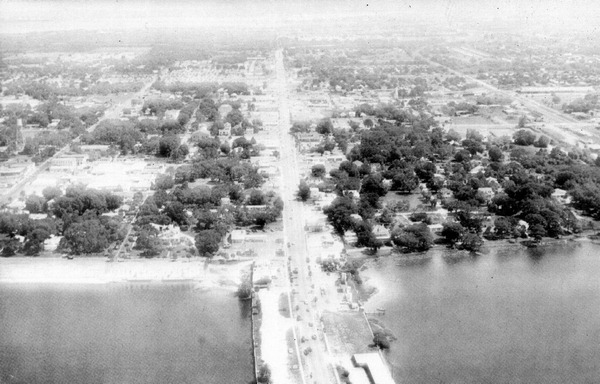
(510,316)
(110,334)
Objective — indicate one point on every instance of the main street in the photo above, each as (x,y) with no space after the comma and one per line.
(318,370)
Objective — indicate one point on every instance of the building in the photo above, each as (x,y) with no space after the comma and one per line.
(561,196)
(94,148)
(486,192)
(14,170)
(374,366)
(224,110)
(226,131)
(68,162)
(238,236)
(381,233)
(315,225)
(171,114)
(583,90)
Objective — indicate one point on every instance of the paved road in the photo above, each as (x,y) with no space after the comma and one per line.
(318,369)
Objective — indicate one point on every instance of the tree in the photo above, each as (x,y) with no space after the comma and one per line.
(452,232)
(167,145)
(171,127)
(88,236)
(404,180)
(339,214)
(148,243)
(416,237)
(303,191)
(257,197)
(35,204)
(523,120)
(495,154)
(366,237)
(234,117)
(208,147)
(503,227)
(471,242)
(380,340)
(524,137)
(176,212)
(537,231)
(35,241)
(373,184)
(473,146)
(264,374)
(207,242)
(164,182)
(325,127)
(225,148)
(318,170)
(452,135)
(425,170)
(542,142)
(50,193)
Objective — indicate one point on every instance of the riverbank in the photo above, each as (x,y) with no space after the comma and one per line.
(97,270)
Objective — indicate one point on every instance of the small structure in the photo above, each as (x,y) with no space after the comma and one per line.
(561,196)
(381,233)
(238,236)
(315,225)
(375,368)
(224,110)
(486,192)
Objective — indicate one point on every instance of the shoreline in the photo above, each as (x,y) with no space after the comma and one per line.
(97,270)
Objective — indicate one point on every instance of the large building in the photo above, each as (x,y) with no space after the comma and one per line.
(68,162)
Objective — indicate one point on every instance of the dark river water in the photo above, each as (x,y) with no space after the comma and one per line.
(509,316)
(123,334)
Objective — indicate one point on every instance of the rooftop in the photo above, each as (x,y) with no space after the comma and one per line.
(376,369)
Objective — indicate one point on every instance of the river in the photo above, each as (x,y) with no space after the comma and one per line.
(118,333)
(513,315)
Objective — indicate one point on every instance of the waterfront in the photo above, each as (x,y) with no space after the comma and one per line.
(514,315)
(123,333)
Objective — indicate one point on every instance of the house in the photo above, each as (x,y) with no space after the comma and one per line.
(445,194)
(68,161)
(226,131)
(486,192)
(327,240)
(561,196)
(436,228)
(238,236)
(224,110)
(315,225)
(315,194)
(256,238)
(381,233)
(477,169)
(352,193)
(350,237)
(171,114)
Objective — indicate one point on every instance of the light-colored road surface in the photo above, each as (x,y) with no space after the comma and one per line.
(317,369)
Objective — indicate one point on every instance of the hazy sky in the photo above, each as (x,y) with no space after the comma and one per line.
(26,16)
